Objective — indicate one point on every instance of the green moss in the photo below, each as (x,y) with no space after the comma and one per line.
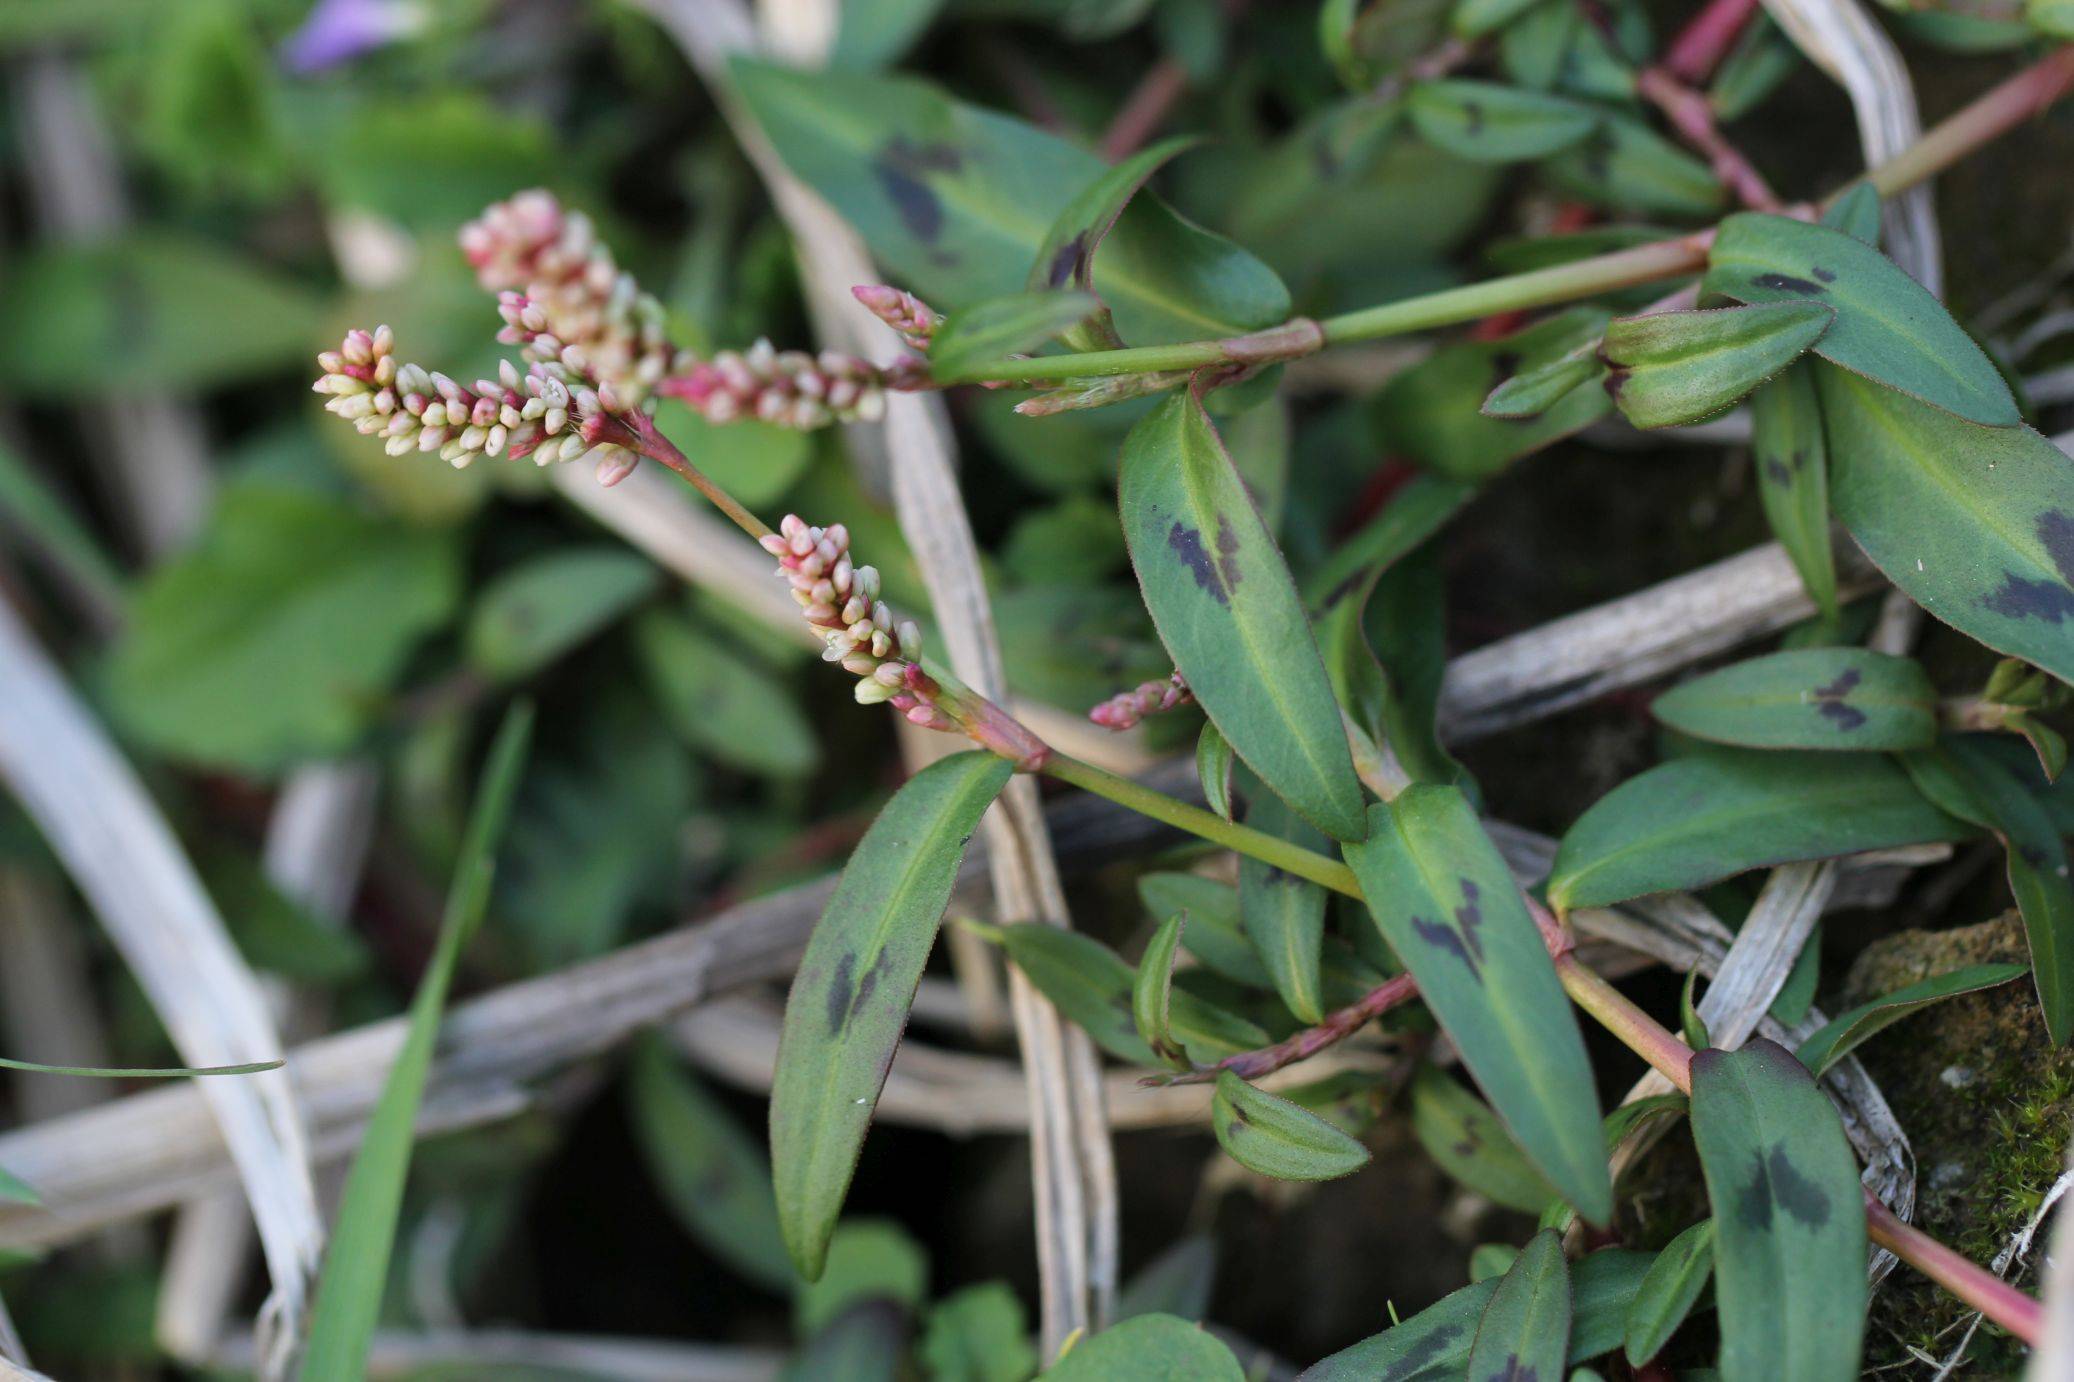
(1986,1100)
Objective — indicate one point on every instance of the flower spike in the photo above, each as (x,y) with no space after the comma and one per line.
(1126,708)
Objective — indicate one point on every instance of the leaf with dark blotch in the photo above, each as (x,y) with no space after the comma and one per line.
(850,998)
(1494,123)
(1847,1031)
(1429,413)
(1067,255)
(1623,163)
(1276,1138)
(1213,764)
(1227,610)
(1462,1135)
(1004,326)
(1792,461)
(1147,1348)
(1967,781)
(1856,212)
(1671,368)
(1442,897)
(1789,1217)
(1524,1332)
(1812,698)
(1888,327)
(1714,814)
(1215,935)
(1673,1286)
(1975,524)
(1433,1345)
(1533,392)
(1284,915)
(955,202)
(1151,993)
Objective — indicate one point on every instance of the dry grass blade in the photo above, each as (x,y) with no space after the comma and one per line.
(118,849)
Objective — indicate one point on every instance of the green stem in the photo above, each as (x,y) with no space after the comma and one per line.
(1290,858)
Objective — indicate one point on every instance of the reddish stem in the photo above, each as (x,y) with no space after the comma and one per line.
(1337,1027)
(1702,44)
(1692,117)
(1145,109)
(1968,1280)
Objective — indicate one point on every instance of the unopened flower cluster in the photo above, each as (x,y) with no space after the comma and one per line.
(841,600)
(1127,708)
(788,387)
(536,414)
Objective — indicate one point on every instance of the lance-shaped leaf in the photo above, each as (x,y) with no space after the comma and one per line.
(1214,933)
(1067,255)
(1429,413)
(1626,164)
(1433,1345)
(1669,1292)
(850,999)
(1276,1138)
(1493,123)
(955,201)
(1976,524)
(1152,993)
(1703,818)
(1793,477)
(1848,1031)
(1213,765)
(1445,901)
(1416,512)
(532,614)
(1972,785)
(1284,915)
(1147,1348)
(1003,326)
(1462,1135)
(1856,212)
(1525,1330)
(1533,392)
(1811,698)
(1789,1217)
(1225,607)
(1475,18)
(1888,326)
(1671,368)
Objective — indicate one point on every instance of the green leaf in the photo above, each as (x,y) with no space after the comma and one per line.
(1284,915)
(1228,612)
(1433,1345)
(1213,765)
(1789,1006)
(87,321)
(1669,1292)
(1623,163)
(1415,513)
(1533,392)
(1067,256)
(712,1174)
(1709,816)
(1671,368)
(30,508)
(722,704)
(1975,524)
(1445,901)
(1856,212)
(1475,18)
(1466,1140)
(1967,781)
(956,201)
(849,1001)
(1762,59)
(121,1072)
(1789,1216)
(874,33)
(998,327)
(1151,994)
(356,1266)
(274,636)
(1147,1348)
(866,1343)
(1276,1138)
(1813,698)
(1178,1281)
(1847,1031)
(1691,1025)
(1215,934)
(978,1334)
(532,614)
(868,1260)
(1429,413)
(1494,123)
(1888,326)
(1525,1329)
(1793,477)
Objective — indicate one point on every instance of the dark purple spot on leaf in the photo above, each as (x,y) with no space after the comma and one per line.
(1469,917)
(2023,598)
(1824,274)
(1187,543)
(1786,283)
(1421,1355)
(1472,118)
(1069,262)
(1777,471)
(1830,700)
(1515,1371)
(2031,855)
(839,989)
(1777,1184)
(901,167)
(1227,553)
